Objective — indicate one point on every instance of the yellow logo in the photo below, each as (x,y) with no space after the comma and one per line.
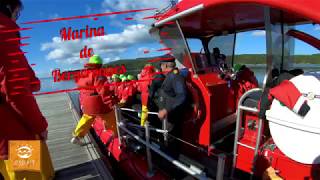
(24,151)
(25,155)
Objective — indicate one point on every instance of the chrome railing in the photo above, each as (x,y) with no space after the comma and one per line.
(191,170)
(240,110)
(195,172)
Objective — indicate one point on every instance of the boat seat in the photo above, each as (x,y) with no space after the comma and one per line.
(253,100)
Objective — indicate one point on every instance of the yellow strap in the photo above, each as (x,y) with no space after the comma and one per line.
(144,115)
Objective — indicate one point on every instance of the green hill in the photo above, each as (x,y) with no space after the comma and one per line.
(135,65)
(260,59)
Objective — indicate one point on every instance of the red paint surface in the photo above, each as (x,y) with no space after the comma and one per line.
(15,30)
(151,17)
(170,22)
(165,49)
(17,69)
(18,79)
(16,53)
(158,59)
(15,93)
(35,82)
(17,39)
(14,61)
(164,33)
(133,165)
(25,44)
(19,87)
(128,19)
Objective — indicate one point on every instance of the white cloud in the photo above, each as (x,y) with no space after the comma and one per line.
(109,46)
(117,23)
(88,9)
(54,16)
(141,49)
(317,28)
(123,5)
(258,33)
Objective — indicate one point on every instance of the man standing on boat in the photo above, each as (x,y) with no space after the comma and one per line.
(172,96)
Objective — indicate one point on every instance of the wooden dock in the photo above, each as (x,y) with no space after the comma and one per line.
(70,161)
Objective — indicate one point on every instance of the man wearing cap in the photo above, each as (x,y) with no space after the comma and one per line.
(172,96)
(96,98)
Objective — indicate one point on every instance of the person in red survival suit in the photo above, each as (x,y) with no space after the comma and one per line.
(114,86)
(145,81)
(126,90)
(96,98)
(21,118)
(243,80)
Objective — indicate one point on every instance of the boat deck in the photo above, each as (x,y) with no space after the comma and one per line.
(70,161)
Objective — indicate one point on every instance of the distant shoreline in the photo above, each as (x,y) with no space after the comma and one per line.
(295,65)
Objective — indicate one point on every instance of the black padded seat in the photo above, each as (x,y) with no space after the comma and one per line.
(253,100)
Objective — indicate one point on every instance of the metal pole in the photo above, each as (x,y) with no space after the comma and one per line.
(187,47)
(118,118)
(236,139)
(238,125)
(220,168)
(132,110)
(149,157)
(165,128)
(150,128)
(167,157)
(260,127)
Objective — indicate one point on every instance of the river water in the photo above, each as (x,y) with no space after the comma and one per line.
(47,84)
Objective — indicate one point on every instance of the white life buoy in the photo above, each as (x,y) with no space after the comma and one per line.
(298,137)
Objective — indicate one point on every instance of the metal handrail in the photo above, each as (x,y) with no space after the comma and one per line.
(239,122)
(164,123)
(192,171)
(150,128)
(164,155)
(138,111)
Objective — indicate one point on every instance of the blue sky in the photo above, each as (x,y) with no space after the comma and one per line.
(46,52)
(124,39)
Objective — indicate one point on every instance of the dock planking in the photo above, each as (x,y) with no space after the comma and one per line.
(70,161)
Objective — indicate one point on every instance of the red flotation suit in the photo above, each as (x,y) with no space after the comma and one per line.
(21,118)
(145,81)
(95,95)
(245,81)
(128,91)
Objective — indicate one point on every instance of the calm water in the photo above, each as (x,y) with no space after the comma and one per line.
(47,84)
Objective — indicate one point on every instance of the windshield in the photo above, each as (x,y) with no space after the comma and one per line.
(171,37)
(221,48)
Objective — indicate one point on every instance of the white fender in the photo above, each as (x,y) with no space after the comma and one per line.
(298,137)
